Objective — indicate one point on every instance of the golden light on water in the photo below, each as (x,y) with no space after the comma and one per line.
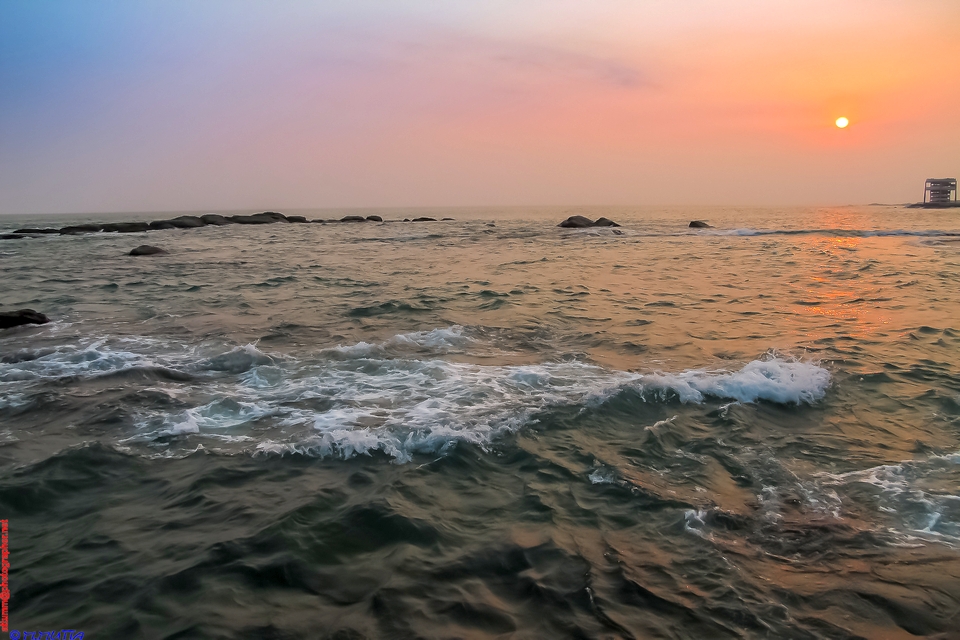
(842,122)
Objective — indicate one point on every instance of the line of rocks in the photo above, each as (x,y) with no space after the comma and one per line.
(191,222)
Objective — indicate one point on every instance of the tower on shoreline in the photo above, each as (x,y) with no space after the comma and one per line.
(938,190)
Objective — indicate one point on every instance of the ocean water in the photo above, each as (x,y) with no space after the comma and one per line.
(488,427)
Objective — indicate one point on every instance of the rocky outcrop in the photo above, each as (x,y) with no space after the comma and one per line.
(125,227)
(215,220)
(581,222)
(353,219)
(12,236)
(187,222)
(77,229)
(162,224)
(300,219)
(605,222)
(267,217)
(699,224)
(424,219)
(446,219)
(32,231)
(10,319)
(147,250)
(374,218)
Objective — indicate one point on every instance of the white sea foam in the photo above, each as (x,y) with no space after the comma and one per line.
(398,397)
(773,379)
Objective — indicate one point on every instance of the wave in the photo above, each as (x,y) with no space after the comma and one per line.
(843,233)
(399,397)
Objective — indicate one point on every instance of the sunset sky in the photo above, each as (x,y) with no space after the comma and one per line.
(177,105)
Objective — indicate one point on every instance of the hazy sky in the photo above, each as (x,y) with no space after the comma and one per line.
(186,105)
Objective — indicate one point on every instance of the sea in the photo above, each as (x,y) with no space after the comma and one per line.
(487,427)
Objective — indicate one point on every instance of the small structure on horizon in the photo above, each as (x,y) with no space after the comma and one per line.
(938,190)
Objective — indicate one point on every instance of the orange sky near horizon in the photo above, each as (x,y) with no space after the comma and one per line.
(170,107)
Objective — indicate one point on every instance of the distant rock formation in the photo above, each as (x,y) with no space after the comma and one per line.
(10,319)
(300,219)
(374,218)
(31,231)
(424,219)
(699,224)
(77,229)
(353,219)
(125,227)
(215,220)
(582,222)
(267,217)
(147,250)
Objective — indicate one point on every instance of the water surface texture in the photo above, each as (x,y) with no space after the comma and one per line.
(489,427)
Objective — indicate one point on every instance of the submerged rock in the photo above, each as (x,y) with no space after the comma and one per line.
(699,224)
(576,222)
(300,219)
(12,236)
(126,227)
(147,250)
(215,220)
(353,219)
(10,319)
(81,228)
(374,218)
(424,219)
(445,219)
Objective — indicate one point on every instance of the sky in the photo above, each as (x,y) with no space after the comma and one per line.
(112,105)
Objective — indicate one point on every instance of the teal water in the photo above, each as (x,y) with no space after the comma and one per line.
(488,427)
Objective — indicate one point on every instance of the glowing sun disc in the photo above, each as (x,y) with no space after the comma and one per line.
(842,122)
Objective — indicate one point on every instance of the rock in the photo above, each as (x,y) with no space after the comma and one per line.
(215,220)
(75,229)
(353,219)
(162,224)
(374,218)
(10,319)
(581,222)
(424,219)
(267,217)
(187,222)
(576,222)
(125,227)
(37,231)
(406,219)
(319,221)
(699,224)
(445,219)
(12,236)
(605,222)
(300,219)
(146,250)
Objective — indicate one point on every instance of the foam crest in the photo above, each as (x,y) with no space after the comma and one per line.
(773,379)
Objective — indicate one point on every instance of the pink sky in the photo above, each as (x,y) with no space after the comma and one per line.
(168,106)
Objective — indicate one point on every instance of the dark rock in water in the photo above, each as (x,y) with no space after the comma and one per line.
(406,219)
(37,231)
(300,219)
(605,222)
(319,221)
(215,220)
(699,224)
(445,219)
(23,316)
(576,222)
(12,236)
(162,224)
(146,250)
(353,219)
(81,228)
(267,217)
(187,222)
(424,219)
(374,218)
(125,227)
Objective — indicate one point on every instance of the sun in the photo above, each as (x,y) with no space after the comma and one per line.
(842,122)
